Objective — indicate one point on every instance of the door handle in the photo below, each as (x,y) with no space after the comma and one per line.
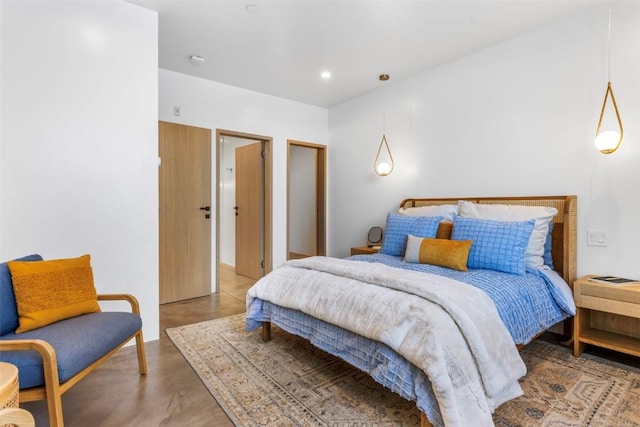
(205,208)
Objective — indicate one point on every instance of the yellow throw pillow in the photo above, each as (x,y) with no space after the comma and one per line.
(53,290)
(444,230)
(442,252)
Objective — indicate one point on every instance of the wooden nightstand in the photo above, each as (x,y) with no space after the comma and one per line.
(607,316)
(365,250)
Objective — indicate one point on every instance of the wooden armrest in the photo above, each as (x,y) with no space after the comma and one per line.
(44,348)
(49,360)
(135,306)
(46,351)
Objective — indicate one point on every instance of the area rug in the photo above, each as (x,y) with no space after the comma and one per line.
(288,382)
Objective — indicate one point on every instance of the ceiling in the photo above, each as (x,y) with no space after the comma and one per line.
(281,47)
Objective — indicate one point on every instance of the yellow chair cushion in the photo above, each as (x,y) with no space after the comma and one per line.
(442,252)
(52,290)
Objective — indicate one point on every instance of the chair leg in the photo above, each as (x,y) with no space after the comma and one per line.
(53,395)
(142,358)
(51,382)
(54,405)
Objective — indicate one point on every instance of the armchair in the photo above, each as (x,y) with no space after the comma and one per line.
(53,358)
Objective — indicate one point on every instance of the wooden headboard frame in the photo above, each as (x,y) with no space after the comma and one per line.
(564,246)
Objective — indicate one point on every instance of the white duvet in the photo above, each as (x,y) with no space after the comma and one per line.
(450,330)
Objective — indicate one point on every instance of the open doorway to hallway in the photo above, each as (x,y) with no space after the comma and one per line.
(306,204)
(243,205)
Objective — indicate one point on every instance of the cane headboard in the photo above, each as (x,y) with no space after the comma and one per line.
(564,246)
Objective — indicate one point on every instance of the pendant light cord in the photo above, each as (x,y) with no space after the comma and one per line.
(384,122)
(609,41)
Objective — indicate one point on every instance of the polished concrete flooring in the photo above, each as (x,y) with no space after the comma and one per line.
(171,394)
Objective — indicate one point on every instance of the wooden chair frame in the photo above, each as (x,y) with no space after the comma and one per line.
(52,390)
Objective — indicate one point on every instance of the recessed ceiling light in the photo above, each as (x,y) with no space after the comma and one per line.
(251,8)
(325,74)
(383,77)
(196,59)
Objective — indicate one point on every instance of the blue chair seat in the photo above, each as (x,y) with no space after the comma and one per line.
(78,343)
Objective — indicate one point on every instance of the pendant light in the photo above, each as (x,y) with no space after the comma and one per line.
(383,165)
(608,141)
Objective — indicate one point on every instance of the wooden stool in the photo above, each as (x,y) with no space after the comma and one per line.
(10,413)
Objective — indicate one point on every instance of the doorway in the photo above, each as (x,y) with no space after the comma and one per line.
(243,203)
(306,200)
(184,211)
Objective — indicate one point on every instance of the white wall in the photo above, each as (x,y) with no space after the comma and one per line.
(516,119)
(79,140)
(218,106)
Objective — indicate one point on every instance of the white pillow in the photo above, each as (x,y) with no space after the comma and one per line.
(445,211)
(542,214)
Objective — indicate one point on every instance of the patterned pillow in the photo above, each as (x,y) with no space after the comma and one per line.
(52,290)
(543,215)
(497,245)
(400,226)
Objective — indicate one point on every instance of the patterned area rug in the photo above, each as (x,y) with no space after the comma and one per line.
(288,382)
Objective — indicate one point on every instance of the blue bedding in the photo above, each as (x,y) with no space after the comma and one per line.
(378,360)
(527,304)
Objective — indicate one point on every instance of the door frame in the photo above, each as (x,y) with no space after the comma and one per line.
(268,196)
(321,188)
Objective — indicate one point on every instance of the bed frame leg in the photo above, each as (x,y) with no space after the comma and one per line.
(266,331)
(424,422)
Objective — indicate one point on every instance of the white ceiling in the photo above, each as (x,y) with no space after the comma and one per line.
(281,47)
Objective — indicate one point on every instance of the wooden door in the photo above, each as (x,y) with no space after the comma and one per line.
(250,182)
(185,209)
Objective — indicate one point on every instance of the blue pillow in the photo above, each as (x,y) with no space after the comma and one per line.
(497,245)
(547,258)
(400,226)
(8,309)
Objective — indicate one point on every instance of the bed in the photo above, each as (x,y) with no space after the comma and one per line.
(437,335)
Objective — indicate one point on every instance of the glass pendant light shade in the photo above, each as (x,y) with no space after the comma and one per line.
(383,165)
(608,141)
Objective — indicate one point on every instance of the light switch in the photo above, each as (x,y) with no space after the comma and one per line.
(597,237)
